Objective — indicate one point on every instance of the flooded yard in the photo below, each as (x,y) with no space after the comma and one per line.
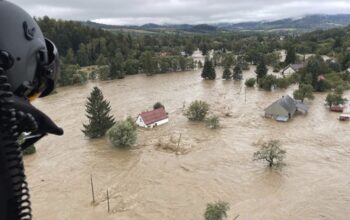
(148,183)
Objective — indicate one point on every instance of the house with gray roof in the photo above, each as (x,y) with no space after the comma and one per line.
(285,108)
(292,68)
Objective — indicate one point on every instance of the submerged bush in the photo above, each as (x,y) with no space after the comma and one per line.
(282,83)
(158,105)
(132,122)
(213,122)
(79,78)
(104,72)
(250,82)
(216,211)
(268,82)
(122,134)
(197,111)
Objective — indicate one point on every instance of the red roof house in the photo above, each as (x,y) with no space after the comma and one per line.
(152,118)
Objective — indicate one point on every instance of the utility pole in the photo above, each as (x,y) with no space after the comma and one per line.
(92,189)
(109,209)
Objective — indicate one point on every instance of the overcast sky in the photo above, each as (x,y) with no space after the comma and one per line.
(180,11)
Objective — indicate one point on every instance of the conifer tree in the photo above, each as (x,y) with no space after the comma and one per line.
(261,70)
(69,59)
(237,72)
(208,71)
(291,56)
(97,110)
(205,70)
(227,75)
(82,55)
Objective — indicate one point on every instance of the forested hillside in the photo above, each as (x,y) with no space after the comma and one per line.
(304,24)
(115,54)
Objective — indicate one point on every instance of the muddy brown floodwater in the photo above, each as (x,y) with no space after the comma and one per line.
(148,183)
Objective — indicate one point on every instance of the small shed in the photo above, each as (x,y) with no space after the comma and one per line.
(285,108)
(152,118)
(292,68)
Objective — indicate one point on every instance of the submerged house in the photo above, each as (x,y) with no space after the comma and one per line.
(285,108)
(152,118)
(292,68)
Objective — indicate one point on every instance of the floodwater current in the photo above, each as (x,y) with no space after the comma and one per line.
(148,183)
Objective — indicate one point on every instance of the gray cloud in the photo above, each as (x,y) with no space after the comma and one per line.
(180,11)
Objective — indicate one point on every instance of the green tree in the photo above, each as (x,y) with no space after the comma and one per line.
(261,70)
(197,111)
(147,62)
(79,78)
(158,105)
(227,75)
(267,82)
(98,113)
(337,43)
(291,57)
(250,82)
(208,71)
(344,59)
(132,122)
(339,90)
(237,72)
(67,73)
(82,55)
(190,63)
(213,122)
(101,60)
(316,67)
(129,41)
(122,134)
(116,67)
(304,91)
(182,63)
(216,211)
(189,48)
(164,64)
(228,60)
(335,99)
(104,72)
(70,57)
(282,83)
(200,64)
(131,66)
(271,152)
(204,48)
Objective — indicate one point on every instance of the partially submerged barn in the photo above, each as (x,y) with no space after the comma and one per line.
(285,108)
(152,118)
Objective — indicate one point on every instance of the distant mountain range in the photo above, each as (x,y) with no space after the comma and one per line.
(306,23)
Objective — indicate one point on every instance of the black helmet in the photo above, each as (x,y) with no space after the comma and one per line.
(29,60)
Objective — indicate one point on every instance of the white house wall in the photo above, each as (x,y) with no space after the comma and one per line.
(158,123)
(288,71)
(140,122)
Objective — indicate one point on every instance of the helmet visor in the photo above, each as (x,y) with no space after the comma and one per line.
(47,72)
